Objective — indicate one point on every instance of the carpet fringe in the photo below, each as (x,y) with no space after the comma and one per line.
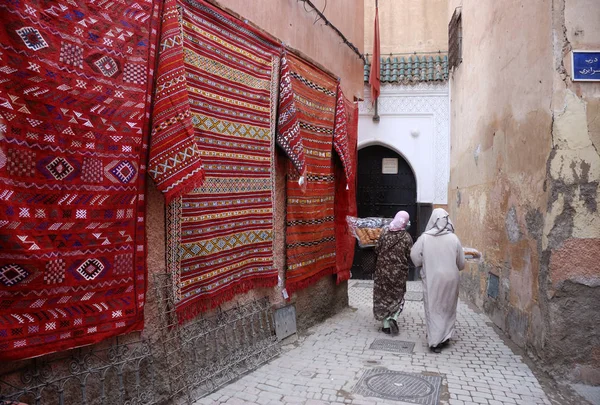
(189,311)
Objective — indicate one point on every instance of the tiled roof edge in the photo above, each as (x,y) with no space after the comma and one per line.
(410,69)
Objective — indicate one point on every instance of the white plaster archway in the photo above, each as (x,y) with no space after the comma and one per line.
(405,109)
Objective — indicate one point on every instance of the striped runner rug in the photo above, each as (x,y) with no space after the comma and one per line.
(305,133)
(220,235)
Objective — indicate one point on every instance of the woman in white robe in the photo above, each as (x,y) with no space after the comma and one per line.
(439,254)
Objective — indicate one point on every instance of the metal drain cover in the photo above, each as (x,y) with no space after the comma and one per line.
(285,322)
(398,386)
(413,296)
(396,346)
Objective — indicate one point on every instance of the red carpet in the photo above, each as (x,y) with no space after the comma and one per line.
(74,102)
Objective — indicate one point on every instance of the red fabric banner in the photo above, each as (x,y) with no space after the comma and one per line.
(375,74)
(340,136)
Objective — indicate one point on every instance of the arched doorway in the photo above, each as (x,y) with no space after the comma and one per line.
(386,185)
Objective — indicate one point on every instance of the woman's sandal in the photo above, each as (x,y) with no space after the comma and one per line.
(436,349)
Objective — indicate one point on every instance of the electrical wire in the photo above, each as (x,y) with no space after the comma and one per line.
(321,16)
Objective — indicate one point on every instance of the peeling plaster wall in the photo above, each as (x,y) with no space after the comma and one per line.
(571,236)
(524,175)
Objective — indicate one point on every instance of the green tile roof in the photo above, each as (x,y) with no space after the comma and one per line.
(410,69)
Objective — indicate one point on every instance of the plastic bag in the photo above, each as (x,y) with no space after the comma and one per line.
(367,230)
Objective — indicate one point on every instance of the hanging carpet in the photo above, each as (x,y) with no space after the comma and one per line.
(345,142)
(74,102)
(305,133)
(175,160)
(220,235)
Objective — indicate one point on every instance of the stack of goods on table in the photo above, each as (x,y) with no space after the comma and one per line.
(367,230)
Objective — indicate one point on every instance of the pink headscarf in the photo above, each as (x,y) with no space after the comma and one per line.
(399,222)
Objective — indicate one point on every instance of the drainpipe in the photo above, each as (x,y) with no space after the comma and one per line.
(376,115)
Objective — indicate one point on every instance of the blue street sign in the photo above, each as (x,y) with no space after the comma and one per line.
(586,66)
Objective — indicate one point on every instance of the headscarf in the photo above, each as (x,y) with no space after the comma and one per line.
(439,223)
(400,221)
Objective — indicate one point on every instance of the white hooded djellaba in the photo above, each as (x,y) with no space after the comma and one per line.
(440,255)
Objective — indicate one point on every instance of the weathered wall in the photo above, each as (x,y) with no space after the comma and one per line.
(524,175)
(289,21)
(407,26)
(500,142)
(571,239)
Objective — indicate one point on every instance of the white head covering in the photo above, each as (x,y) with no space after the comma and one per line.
(439,223)
(400,221)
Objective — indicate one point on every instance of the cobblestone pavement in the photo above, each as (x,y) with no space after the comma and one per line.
(325,365)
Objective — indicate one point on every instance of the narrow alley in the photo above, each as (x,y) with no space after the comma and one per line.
(250,202)
(328,363)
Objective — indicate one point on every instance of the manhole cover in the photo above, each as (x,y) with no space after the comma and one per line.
(413,296)
(398,386)
(396,346)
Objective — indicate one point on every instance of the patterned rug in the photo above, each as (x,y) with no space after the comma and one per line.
(305,133)
(74,92)
(345,143)
(175,160)
(220,236)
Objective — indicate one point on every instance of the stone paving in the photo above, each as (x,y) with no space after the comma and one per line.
(326,363)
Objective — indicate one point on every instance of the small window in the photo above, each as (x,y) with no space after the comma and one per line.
(455,39)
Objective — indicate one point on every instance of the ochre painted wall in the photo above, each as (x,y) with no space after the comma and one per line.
(524,175)
(407,26)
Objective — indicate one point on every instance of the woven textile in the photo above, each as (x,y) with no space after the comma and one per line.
(341,142)
(175,161)
(74,101)
(346,130)
(221,234)
(307,102)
